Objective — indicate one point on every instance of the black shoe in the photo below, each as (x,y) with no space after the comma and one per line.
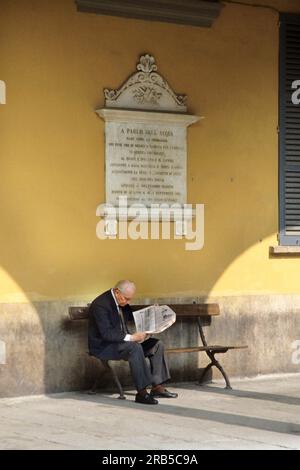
(164,394)
(146,399)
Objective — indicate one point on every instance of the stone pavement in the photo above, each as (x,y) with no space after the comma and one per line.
(261,413)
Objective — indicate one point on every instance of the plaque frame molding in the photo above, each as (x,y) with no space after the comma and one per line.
(172,113)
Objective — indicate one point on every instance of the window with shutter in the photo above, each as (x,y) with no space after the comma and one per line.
(289,135)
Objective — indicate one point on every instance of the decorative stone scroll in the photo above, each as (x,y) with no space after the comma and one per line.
(146,139)
(146,89)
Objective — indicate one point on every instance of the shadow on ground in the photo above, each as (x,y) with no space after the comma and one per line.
(169,407)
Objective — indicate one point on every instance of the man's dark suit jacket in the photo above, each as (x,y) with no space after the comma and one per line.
(105,331)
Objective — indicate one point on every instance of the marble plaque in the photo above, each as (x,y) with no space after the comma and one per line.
(145,162)
(146,140)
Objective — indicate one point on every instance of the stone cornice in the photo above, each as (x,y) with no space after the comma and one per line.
(126,115)
(285,250)
(188,12)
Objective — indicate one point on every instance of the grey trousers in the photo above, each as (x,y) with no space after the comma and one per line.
(136,354)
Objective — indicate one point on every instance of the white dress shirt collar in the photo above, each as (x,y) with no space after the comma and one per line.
(114,297)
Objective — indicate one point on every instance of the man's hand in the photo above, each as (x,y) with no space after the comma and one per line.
(138,337)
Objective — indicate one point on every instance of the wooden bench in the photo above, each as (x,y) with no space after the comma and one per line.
(202,313)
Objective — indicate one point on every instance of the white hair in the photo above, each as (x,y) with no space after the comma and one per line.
(124,285)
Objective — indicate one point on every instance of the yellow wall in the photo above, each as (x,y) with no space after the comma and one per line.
(55,63)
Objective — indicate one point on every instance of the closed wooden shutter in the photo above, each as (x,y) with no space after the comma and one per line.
(289,135)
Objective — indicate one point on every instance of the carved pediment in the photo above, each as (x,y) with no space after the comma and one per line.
(145,89)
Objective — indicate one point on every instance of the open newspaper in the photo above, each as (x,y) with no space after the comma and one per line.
(154,319)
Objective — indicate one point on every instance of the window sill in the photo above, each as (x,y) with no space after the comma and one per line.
(284,250)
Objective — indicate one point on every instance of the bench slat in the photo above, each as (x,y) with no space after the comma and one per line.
(78,313)
(181,310)
(205,348)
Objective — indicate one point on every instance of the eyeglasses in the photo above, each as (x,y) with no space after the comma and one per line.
(128,299)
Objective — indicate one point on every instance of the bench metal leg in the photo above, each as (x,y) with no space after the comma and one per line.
(110,369)
(117,381)
(215,362)
(218,365)
(211,355)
